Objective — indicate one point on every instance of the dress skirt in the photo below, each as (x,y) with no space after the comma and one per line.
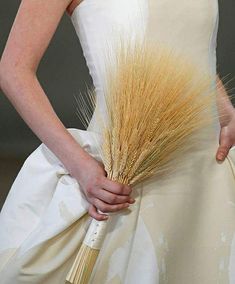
(180,230)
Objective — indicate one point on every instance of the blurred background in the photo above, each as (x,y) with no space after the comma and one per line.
(63,74)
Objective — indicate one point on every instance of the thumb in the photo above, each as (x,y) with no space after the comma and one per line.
(224,146)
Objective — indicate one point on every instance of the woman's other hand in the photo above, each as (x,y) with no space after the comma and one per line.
(227,122)
(227,139)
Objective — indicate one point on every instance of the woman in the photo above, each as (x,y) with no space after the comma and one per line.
(41,224)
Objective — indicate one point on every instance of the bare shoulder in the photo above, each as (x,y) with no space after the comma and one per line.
(32,29)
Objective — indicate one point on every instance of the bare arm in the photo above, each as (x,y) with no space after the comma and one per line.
(227,122)
(32,30)
(224,104)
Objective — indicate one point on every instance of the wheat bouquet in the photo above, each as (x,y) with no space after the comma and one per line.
(155,100)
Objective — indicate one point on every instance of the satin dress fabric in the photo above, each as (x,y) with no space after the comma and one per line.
(181,229)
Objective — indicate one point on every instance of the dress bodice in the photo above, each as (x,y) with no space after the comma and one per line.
(187,25)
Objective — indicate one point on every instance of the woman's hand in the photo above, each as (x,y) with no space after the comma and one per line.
(102,193)
(227,122)
(227,139)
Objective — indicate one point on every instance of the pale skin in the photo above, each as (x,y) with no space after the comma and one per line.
(26,44)
(28,39)
(227,122)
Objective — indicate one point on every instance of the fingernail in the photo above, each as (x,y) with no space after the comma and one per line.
(132,200)
(105,217)
(220,157)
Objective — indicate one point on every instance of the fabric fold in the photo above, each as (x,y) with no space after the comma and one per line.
(44,199)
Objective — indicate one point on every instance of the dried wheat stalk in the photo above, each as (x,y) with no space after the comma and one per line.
(155,100)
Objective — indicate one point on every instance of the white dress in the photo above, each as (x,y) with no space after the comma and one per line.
(181,230)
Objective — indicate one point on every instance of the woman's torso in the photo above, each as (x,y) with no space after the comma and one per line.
(187,25)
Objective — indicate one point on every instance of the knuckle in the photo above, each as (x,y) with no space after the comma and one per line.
(103,208)
(89,190)
(123,198)
(112,208)
(97,180)
(113,199)
(120,188)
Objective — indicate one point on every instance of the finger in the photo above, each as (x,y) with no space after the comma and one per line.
(94,214)
(116,187)
(222,152)
(105,207)
(225,145)
(111,198)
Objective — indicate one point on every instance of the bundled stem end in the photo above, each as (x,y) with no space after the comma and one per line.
(83,265)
